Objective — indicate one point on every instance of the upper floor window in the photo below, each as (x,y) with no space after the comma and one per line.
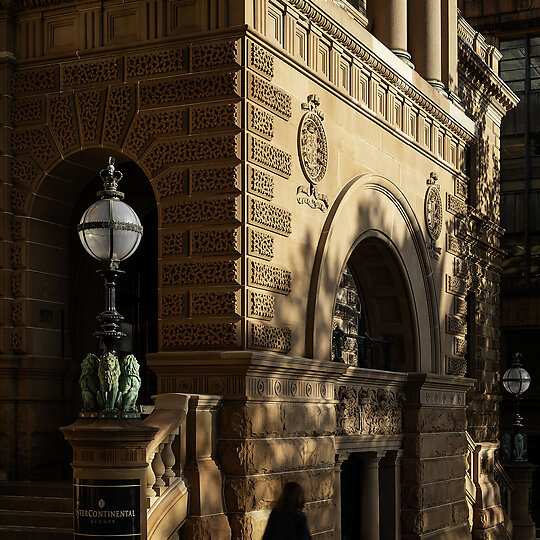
(518,55)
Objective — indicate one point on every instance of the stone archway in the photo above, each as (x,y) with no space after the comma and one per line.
(372,206)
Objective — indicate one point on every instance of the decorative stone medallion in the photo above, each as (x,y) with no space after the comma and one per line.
(313,154)
(433,214)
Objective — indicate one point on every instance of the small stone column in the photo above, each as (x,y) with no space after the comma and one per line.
(390,26)
(340,458)
(369,509)
(390,494)
(521,474)
(425,39)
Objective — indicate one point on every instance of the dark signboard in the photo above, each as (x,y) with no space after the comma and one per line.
(107,508)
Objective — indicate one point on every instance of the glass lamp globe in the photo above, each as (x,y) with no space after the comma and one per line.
(516,380)
(110,230)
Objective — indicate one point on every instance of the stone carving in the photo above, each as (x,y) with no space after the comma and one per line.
(374,411)
(455,206)
(204,242)
(222,303)
(260,121)
(107,386)
(214,54)
(154,63)
(519,451)
(456,285)
(456,366)
(193,336)
(199,272)
(61,120)
(19,201)
(433,215)
(269,96)
(27,111)
(270,277)
(456,246)
(260,244)
(120,107)
(270,337)
(506,448)
(149,125)
(35,141)
(17,255)
(188,150)
(84,74)
(198,211)
(18,224)
(18,283)
(90,104)
(18,314)
(23,172)
(172,92)
(172,305)
(216,116)
(172,244)
(460,188)
(261,60)
(460,346)
(456,325)
(171,183)
(268,156)
(261,305)
(270,217)
(218,179)
(18,340)
(34,81)
(261,183)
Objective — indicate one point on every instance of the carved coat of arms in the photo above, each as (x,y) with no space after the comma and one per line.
(313,154)
(433,214)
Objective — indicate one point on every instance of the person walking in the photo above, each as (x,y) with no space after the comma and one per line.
(287,520)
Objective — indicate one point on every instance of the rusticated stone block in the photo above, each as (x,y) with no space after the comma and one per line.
(435,419)
(321,516)
(258,420)
(427,445)
(437,518)
(433,470)
(434,494)
(215,526)
(248,526)
(246,494)
(275,455)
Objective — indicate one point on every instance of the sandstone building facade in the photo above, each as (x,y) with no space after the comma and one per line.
(298,166)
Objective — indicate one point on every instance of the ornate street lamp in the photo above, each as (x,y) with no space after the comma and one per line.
(516,382)
(110,231)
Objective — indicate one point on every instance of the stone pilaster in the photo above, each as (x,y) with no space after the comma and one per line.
(390,495)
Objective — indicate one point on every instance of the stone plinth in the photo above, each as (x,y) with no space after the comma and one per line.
(521,475)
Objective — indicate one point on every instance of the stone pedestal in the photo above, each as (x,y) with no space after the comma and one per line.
(521,475)
(109,474)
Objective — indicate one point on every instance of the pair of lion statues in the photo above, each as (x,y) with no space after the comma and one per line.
(108,385)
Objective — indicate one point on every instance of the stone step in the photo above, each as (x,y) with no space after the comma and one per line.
(44,504)
(62,488)
(8,532)
(34,518)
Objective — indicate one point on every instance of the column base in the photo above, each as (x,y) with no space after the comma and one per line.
(404,56)
(438,85)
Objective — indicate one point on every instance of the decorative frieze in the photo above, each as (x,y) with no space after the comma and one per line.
(216,179)
(268,156)
(260,244)
(199,273)
(269,337)
(373,411)
(288,388)
(261,305)
(260,121)
(83,74)
(270,96)
(219,53)
(175,152)
(269,216)
(197,336)
(199,211)
(261,60)
(260,183)
(210,242)
(162,62)
(175,91)
(455,206)
(270,277)
(208,118)
(214,303)
(442,398)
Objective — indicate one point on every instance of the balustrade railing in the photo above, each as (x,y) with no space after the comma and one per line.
(365,344)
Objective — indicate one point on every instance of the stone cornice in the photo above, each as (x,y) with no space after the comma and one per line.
(358,49)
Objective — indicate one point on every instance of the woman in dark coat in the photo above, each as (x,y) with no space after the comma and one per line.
(287,520)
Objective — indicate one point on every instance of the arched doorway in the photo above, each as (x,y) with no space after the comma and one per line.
(63,295)
(373,302)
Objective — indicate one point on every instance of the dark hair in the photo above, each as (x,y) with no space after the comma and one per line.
(292,499)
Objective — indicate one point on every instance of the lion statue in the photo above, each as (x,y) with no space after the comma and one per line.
(109,373)
(129,385)
(89,382)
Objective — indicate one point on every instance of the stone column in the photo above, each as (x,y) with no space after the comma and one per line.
(450,48)
(390,26)
(425,39)
(390,495)
(369,495)
(340,458)
(521,475)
